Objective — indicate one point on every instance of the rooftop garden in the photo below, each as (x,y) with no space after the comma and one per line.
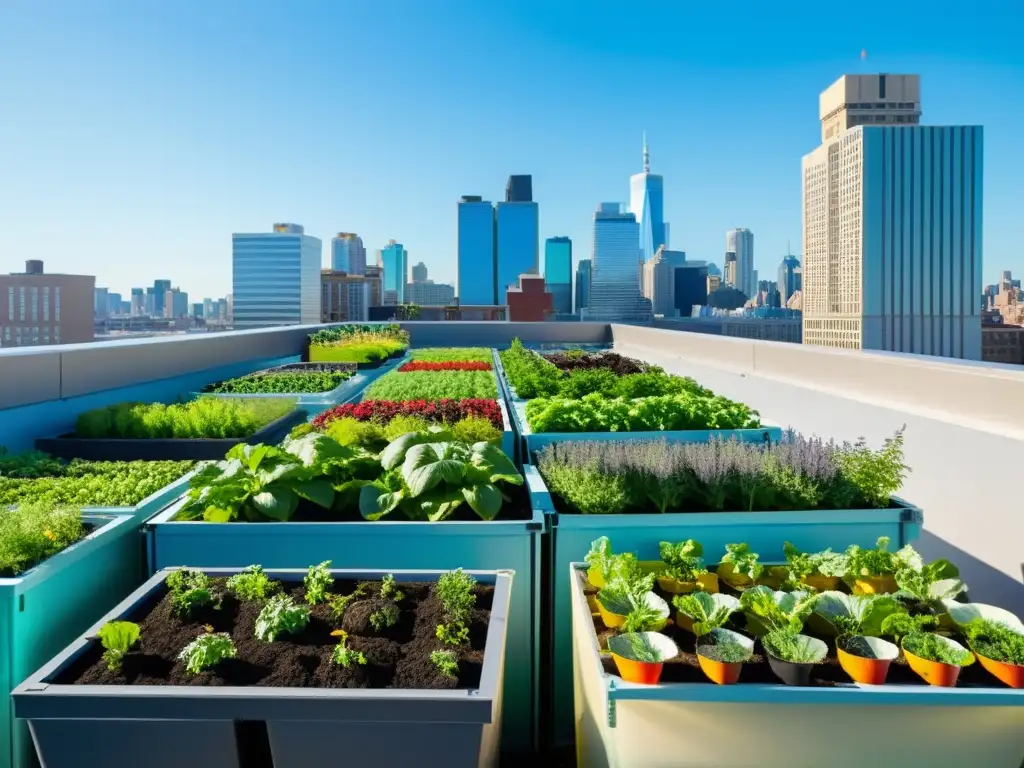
(366,345)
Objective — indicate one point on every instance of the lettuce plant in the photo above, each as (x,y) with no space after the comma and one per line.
(207,651)
(684,560)
(769,611)
(707,611)
(743,560)
(643,610)
(190,589)
(281,614)
(428,480)
(804,564)
(609,565)
(931,585)
(117,638)
(856,614)
(880,561)
(318,581)
(252,584)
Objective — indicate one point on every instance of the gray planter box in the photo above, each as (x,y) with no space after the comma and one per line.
(234,727)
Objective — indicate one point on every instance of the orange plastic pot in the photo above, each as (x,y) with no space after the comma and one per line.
(706,582)
(875,585)
(645,672)
(720,672)
(821,583)
(1010,674)
(868,671)
(933,672)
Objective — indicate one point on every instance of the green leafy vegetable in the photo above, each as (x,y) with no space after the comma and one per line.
(743,560)
(856,614)
(206,417)
(32,532)
(446,662)
(899,625)
(283,382)
(117,637)
(805,564)
(790,646)
(252,584)
(207,651)
(384,617)
(344,655)
(318,581)
(996,641)
(880,561)
(769,611)
(707,611)
(190,589)
(928,645)
(281,614)
(684,560)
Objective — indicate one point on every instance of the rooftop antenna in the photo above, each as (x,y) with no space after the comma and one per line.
(647,156)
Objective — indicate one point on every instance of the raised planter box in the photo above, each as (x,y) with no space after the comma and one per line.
(43,609)
(153,503)
(173,726)
(164,449)
(671,725)
(497,545)
(765,532)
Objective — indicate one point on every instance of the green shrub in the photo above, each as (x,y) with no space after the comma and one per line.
(205,417)
(352,432)
(30,533)
(475,429)
(433,385)
(529,373)
(282,382)
(354,352)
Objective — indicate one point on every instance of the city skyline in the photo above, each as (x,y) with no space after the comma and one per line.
(164,141)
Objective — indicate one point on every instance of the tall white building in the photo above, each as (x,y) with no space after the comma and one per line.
(741,243)
(660,280)
(348,254)
(892,217)
(275,277)
(616,268)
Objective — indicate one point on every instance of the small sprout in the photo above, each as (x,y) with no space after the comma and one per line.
(384,617)
(117,637)
(190,589)
(281,614)
(207,651)
(252,584)
(340,603)
(388,591)
(445,662)
(344,655)
(452,634)
(317,582)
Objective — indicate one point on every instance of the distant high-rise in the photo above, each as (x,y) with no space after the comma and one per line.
(138,302)
(101,303)
(160,289)
(892,228)
(659,280)
(348,254)
(741,243)
(275,278)
(558,272)
(730,276)
(176,304)
(646,203)
(789,278)
(476,278)
(43,308)
(419,273)
(395,261)
(427,293)
(519,189)
(615,272)
(582,285)
(691,287)
(518,243)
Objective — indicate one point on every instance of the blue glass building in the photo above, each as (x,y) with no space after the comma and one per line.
(518,239)
(395,262)
(582,285)
(558,272)
(476,278)
(615,293)
(348,253)
(789,278)
(647,204)
(275,277)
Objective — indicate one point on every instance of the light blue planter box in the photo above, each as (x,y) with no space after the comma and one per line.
(45,608)
(496,545)
(153,503)
(765,532)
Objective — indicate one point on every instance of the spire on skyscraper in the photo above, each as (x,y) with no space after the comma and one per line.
(647,156)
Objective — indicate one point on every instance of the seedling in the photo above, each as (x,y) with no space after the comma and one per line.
(996,641)
(281,614)
(317,582)
(388,590)
(684,561)
(252,584)
(927,645)
(795,648)
(452,634)
(206,651)
(117,637)
(455,591)
(340,603)
(707,611)
(190,589)
(384,617)
(446,662)
(344,655)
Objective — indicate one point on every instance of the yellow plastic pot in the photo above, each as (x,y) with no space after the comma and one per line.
(875,585)
(595,577)
(820,583)
(706,582)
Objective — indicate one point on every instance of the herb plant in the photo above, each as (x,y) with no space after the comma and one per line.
(451,355)
(995,641)
(252,584)
(856,614)
(790,646)
(117,638)
(206,417)
(207,651)
(529,374)
(281,382)
(928,645)
(724,646)
(446,662)
(190,589)
(388,590)
(707,611)
(684,560)
(344,655)
(455,591)
(642,649)
(880,561)
(318,581)
(32,532)
(340,603)
(384,617)
(900,625)
(281,614)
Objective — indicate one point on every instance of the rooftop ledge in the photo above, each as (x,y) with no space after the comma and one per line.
(965,420)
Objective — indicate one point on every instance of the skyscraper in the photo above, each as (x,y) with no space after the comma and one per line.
(160,289)
(741,243)
(518,238)
(691,287)
(582,285)
(892,228)
(789,278)
(660,280)
(476,279)
(395,260)
(730,276)
(419,273)
(275,278)
(558,272)
(646,203)
(348,254)
(519,189)
(615,271)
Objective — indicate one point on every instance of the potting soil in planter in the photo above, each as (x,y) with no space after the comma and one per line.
(396,657)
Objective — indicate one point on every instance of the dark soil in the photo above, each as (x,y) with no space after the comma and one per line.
(397,657)
(311,368)
(686,669)
(614,362)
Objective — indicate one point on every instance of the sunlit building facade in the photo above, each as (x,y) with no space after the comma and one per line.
(275,278)
(476,269)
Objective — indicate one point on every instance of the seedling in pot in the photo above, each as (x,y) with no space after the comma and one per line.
(936,659)
(344,655)
(446,662)
(1000,650)
(318,581)
(839,614)
(721,654)
(931,585)
(252,584)
(619,598)
(384,617)
(820,571)
(639,655)
(873,571)
(117,638)
(740,567)
(792,656)
(768,611)
(606,566)
(281,614)
(684,566)
(190,589)
(388,590)
(701,612)
(207,651)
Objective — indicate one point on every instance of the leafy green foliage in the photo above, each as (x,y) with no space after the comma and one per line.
(769,611)
(455,590)
(475,429)
(374,436)
(856,614)
(207,651)
(995,641)
(32,532)
(790,646)
(384,617)
(190,589)
(340,603)
(388,589)
(899,625)
(928,645)
(283,382)
(641,647)
(360,332)
(683,561)
(804,564)
(877,474)
(318,581)
(726,653)
(354,352)
(880,561)
(429,480)
(446,662)
(117,638)
(707,611)
(344,655)
(433,385)
(452,355)
(281,614)
(529,374)
(931,584)
(744,561)
(623,598)
(205,417)
(36,477)
(252,584)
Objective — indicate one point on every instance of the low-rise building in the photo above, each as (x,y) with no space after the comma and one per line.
(39,308)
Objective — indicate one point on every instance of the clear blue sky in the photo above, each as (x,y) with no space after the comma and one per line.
(136,136)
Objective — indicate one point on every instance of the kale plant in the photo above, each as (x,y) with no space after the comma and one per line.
(281,614)
(206,651)
(252,584)
(190,589)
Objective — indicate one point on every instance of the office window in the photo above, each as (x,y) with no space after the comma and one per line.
(10,302)
(21,302)
(7,333)
(46,303)
(35,302)
(46,335)
(56,333)
(56,306)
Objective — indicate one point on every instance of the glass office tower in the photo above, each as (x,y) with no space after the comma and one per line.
(517,244)
(476,270)
(395,261)
(558,272)
(275,277)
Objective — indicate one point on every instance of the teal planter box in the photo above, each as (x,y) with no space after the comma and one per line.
(48,606)
(765,532)
(498,545)
(153,503)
